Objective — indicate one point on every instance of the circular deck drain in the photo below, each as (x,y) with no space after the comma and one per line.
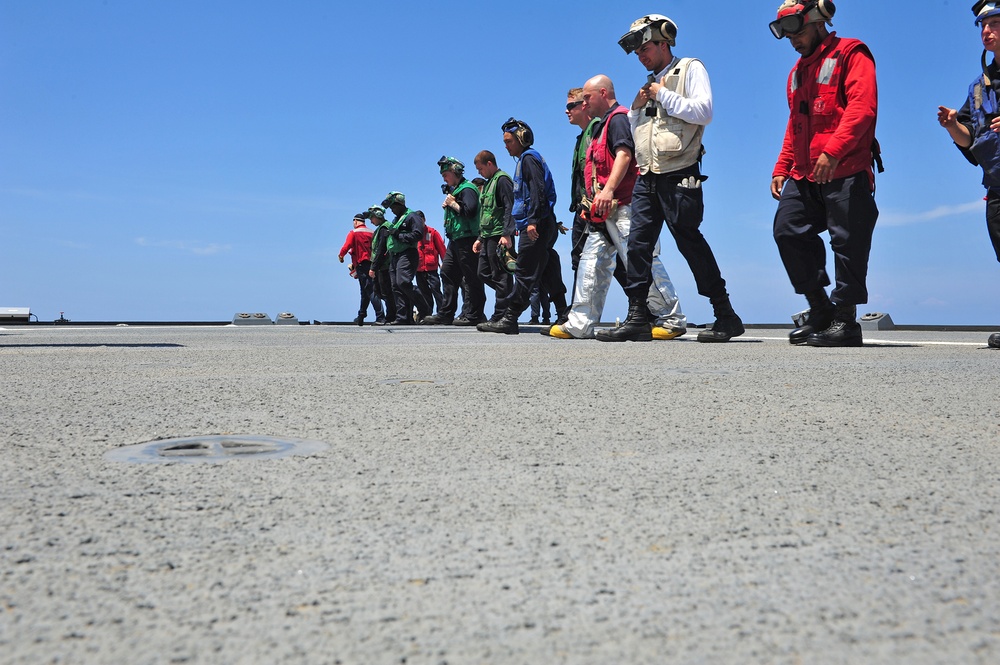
(214,449)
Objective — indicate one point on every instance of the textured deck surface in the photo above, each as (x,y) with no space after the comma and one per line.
(500,499)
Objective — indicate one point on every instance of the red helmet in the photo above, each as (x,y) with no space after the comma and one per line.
(795,15)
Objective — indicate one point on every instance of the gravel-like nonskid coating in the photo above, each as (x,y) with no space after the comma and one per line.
(542,501)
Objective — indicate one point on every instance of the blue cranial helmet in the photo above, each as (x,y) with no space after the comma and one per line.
(985,9)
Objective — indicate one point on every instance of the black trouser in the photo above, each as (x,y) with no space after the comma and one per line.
(403,267)
(659,199)
(460,261)
(367,285)
(534,267)
(383,291)
(429,284)
(578,236)
(993,219)
(493,273)
(846,208)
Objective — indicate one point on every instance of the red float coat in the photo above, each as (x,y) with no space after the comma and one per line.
(359,244)
(600,160)
(833,100)
(431,248)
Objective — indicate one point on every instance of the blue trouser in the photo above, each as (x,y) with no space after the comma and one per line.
(367,285)
(429,284)
(846,208)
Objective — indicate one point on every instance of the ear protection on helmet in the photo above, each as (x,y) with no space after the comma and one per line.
(520,130)
(826,9)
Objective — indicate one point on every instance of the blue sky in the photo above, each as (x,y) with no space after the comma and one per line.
(188,160)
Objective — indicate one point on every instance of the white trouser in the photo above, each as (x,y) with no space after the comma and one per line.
(596,270)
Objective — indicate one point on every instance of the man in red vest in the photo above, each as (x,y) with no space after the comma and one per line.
(359,244)
(610,172)
(823,179)
(432,250)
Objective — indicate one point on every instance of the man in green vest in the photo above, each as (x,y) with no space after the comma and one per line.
(496,229)
(461,225)
(403,234)
(579,117)
(380,264)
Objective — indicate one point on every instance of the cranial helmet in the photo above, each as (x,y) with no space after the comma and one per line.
(795,15)
(451,164)
(508,258)
(985,9)
(394,197)
(520,130)
(376,212)
(649,28)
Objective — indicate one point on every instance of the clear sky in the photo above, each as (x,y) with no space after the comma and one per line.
(187,160)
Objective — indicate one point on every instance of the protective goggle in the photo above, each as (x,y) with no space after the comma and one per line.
(572,105)
(450,164)
(511,126)
(792,24)
(393,197)
(633,40)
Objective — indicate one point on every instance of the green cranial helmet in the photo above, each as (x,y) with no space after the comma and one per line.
(394,197)
(376,212)
(451,164)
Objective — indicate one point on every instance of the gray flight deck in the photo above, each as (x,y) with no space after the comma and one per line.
(499,499)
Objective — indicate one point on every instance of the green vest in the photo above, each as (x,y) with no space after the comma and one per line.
(394,245)
(579,187)
(491,213)
(456,226)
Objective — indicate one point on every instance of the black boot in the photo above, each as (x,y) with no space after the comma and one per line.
(506,325)
(727,324)
(844,331)
(821,313)
(636,328)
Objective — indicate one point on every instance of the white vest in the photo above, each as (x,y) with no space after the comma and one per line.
(664,144)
